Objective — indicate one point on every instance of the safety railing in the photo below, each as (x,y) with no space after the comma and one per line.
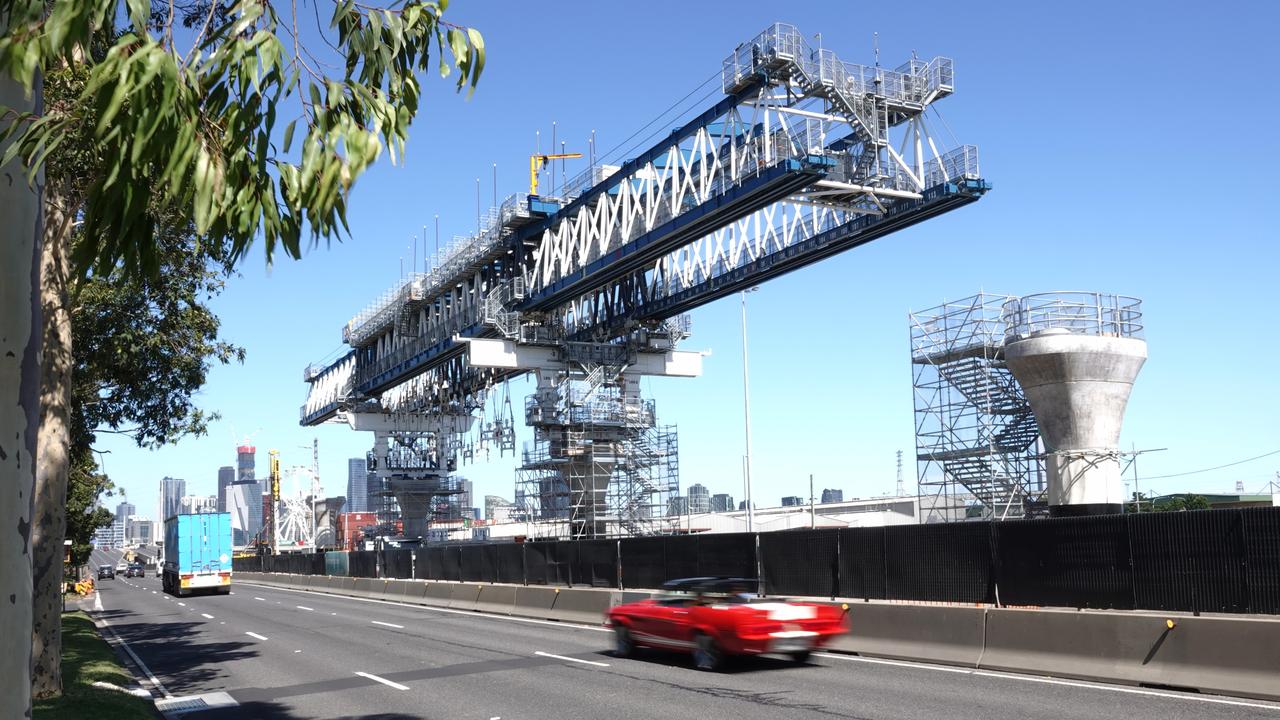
(960,163)
(1076,312)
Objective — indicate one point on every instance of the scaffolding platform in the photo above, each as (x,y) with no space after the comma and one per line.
(977,442)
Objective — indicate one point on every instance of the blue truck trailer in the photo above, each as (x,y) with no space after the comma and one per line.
(197,554)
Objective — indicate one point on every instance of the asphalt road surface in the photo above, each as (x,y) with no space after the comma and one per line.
(285,654)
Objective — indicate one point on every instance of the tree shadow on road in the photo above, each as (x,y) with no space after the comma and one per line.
(261,710)
(188,655)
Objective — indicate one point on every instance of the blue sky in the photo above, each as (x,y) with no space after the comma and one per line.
(1130,146)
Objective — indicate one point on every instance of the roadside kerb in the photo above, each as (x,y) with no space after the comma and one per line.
(463,596)
(414,591)
(394,590)
(582,606)
(948,635)
(497,599)
(438,594)
(1234,656)
(533,601)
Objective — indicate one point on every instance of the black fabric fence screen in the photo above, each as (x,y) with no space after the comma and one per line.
(1205,560)
(397,563)
(362,564)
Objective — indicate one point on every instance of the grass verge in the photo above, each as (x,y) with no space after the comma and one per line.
(86,659)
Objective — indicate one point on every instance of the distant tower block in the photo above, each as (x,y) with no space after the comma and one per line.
(1076,355)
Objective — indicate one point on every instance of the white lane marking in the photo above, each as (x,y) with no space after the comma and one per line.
(1054,681)
(391,625)
(384,681)
(562,657)
(254,634)
(207,615)
(468,613)
(182,603)
(141,665)
(258,598)
(233,592)
(222,622)
(304,607)
(97,602)
(297,651)
(153,592)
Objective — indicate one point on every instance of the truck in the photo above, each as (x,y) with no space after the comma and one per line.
(197,554)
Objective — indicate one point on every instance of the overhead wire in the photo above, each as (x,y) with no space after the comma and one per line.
(1216,467)
(609,154)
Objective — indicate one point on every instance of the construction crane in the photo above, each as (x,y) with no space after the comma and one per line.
(535,166)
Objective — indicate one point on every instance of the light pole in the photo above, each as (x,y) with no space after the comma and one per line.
(746,412)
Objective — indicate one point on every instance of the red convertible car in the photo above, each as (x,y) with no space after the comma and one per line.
(717,617)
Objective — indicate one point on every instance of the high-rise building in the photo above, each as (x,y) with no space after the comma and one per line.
(251,494)
(678,505)
(171,492)
(357,485)
(139,530)
(721,502)
(742,505)
(832,496)
(120,523)
(193,504)
(699,498)
(465,506)
(792,501)
(245,455)
(244,502)
(226,476)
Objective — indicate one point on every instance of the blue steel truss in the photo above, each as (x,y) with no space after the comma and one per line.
(796,163)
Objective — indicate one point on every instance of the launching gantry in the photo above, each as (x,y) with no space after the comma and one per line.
(805,156)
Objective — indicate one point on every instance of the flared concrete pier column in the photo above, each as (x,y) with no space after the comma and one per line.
(1078,385)
(415,505)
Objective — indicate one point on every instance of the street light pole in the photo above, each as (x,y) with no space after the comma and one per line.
(746,412)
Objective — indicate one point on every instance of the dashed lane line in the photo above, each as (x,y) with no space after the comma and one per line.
(384,681)
(386,624)
(256,635)
(430,608)
(207,615)
(571,659)
(304,607)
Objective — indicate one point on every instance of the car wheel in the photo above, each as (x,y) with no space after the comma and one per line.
(707,655)
(623,644)
(801,657)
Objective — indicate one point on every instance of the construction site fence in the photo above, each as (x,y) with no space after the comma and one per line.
(1208,560)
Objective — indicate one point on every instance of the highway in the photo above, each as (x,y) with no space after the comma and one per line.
(285,654)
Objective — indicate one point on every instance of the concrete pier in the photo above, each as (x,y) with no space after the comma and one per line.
(1078,386)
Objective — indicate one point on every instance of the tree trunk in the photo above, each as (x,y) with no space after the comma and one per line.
(53,460)
(19,411)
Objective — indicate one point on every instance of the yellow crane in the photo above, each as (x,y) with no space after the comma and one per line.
(535,166)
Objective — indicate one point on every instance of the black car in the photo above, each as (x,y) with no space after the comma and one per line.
(136,570)
(106,572)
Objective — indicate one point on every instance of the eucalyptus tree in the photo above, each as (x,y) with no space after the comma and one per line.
(197,120)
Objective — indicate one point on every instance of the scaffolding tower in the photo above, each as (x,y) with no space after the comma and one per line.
(416,470)
(599,465)
(977,442)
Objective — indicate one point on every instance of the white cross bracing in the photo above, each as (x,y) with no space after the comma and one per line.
(791,110)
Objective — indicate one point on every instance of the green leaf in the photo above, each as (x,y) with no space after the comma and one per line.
(477,42)
(139,11)
(288,134)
